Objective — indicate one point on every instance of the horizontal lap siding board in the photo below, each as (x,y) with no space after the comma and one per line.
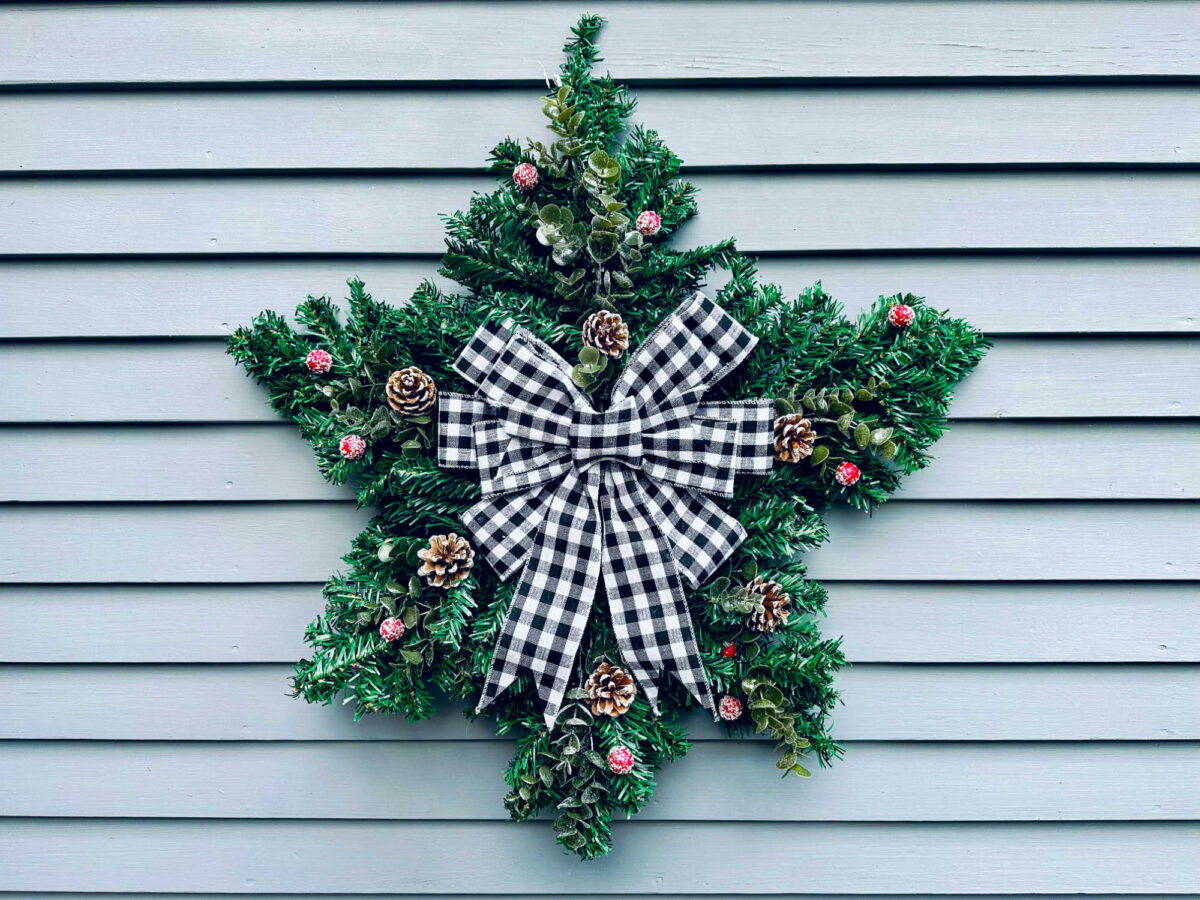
(195,381)
(1020,710)
(325,780)
(268,857)
(997,622)
(975,460)
(266,214)
(268,130)
(436,43)
(1008,294)
(884,702)
(304,541)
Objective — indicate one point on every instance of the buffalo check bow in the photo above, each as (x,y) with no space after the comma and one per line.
(572,494)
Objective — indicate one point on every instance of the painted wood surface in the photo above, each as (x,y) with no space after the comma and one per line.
(898,622)
(304,541)
(1117,293)
(273,130)
(975,460)
(1021,713)
(252,857)
(195,381)
(883,702)
(439,43)
(876,782)
(820,211)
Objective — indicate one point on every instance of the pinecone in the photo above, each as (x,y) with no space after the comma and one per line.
(794,438)
(776,604)
(411,392)
(446,561)
(606,332)
(611,690)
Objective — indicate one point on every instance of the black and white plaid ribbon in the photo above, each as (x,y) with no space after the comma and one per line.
(572,495)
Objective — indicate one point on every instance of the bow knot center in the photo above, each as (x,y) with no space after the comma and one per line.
(614,434)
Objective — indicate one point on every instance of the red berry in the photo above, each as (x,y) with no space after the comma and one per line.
(901,316)
(730,708)
(391,629)
(352,447)
(729,651)
(648,223)
(620,760)
(846,474)
(526,177)
(319,361)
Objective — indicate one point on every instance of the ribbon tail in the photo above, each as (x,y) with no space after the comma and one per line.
(549,612)
(649,610)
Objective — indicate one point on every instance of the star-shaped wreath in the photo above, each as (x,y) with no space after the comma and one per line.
(588,550)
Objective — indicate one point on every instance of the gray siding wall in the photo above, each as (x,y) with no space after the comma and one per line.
(1023,712)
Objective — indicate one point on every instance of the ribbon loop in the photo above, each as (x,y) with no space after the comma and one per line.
(571,493)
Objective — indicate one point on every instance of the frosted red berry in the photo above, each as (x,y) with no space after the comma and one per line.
(729,651)
(730,708)
(391,629)
(319,361)
(620,760)
(648,223)
(846,474)
(526,176)
(352,447)
(901,316)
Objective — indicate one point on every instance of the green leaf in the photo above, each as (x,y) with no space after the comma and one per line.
(845,422)
(809,399)
(801,771)
(750,569)
(393,587)
(819,455)
(582,377)
(414,585)
(863,394)
(590,795)
(385,551)
(888,450)
(602,246)
(409,616)
(838,408)
(719,586)
(577,693)
(416,658)
(564,826)
(412,556)
(784,407)
(575,841)
(589,356)
(862,436)
(411,449)
(880,436)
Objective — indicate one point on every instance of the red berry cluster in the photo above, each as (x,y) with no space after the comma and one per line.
(620,760)
(525,176)
(901,316)
(352,447)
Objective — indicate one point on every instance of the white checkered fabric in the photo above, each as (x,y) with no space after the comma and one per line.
(572,494)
